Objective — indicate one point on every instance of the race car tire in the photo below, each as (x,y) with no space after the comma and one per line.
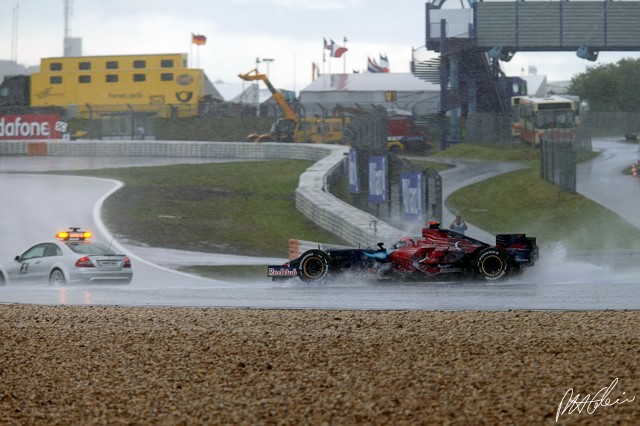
(313,266)
(492,264)
(56,277)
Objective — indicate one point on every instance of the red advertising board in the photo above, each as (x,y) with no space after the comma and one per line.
(29,127)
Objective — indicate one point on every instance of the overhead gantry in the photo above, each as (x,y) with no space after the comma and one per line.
(473,38)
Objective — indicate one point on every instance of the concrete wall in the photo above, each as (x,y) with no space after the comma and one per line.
(330,213)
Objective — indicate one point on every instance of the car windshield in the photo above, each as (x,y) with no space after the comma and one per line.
(85,247)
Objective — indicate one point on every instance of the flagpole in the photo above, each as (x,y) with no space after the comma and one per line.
(324,54)
(191,51)
(344,60)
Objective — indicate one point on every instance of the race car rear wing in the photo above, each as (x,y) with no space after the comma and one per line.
(523,248)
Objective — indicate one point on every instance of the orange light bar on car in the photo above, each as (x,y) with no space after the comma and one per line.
(74,234)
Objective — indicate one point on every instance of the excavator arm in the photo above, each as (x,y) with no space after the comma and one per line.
(253,75)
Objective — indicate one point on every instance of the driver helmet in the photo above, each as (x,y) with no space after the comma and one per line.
(406,242)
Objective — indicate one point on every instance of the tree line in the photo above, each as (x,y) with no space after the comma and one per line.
(610,87)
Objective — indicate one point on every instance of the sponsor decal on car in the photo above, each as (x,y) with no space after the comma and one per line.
(282,271)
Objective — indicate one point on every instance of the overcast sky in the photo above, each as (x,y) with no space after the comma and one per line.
(238,31)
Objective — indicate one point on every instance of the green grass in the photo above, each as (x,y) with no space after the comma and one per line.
(230,273)
(238,208)
(522,201)
(516,153)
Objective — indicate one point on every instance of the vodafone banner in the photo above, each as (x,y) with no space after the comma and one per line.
(29,126)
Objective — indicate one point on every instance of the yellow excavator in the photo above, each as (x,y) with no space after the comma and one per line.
(290,128)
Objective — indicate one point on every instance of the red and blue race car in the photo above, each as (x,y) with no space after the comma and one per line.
(439,254)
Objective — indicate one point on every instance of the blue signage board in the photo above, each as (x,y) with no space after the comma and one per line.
(354,182)
(412,192)
(378,191)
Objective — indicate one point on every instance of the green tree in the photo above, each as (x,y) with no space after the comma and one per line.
(610,87)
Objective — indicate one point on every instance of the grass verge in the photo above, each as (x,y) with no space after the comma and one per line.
(521,201)
(229,273)
(236,208)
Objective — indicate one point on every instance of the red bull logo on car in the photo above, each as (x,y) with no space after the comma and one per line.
(282,271)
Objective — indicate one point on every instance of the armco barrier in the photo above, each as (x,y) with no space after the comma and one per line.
(328,212)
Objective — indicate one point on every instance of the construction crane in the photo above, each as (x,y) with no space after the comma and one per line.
(253,75)
(284,128)
(291,128)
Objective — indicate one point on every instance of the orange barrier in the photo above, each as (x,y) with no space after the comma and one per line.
(294,249)
(37,148)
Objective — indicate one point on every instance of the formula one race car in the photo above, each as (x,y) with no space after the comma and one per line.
(440,254)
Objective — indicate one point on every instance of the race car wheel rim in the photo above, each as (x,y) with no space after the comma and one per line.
(314,267)
(56,277)
(492,266)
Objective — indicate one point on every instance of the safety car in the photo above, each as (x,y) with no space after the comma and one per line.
(71,258)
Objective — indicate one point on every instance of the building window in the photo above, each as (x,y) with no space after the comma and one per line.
(55,79)
(84,65)
(84,79)
(55,66)
(112,78)
(166,76)
(166,63)
(139,64)
(112,65)
(139,77)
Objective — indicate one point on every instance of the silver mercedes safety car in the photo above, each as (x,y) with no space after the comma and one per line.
(71,258)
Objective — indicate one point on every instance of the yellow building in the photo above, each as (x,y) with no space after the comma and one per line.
(91,86)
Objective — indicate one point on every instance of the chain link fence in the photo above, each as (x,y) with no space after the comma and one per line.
(614,123)
(488,128)
(409,195)
(558,164)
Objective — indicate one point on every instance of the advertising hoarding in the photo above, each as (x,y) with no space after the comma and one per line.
(378,179)
(30,127)
(412,190)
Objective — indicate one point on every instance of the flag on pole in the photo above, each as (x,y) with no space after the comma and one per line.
(372,66)
(327,45)
(336,50)
(198,39)
(384,63)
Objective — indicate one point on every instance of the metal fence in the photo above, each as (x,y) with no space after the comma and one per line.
(558,164)
(496,129)
(487,128)
(411,194)
(614,123)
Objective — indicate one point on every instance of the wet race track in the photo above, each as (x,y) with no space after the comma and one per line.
(33,205)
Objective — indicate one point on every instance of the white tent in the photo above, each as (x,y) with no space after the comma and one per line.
(399,91)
